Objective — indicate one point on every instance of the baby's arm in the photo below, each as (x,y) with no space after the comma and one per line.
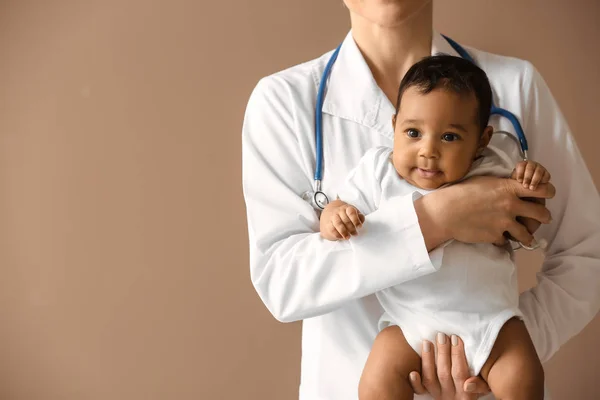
(530,174)
(340,220)
(360,191)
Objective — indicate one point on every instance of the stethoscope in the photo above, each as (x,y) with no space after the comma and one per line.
(319,199)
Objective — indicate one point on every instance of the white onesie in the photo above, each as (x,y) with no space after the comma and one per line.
(475,290)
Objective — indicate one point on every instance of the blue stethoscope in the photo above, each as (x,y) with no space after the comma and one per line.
(319,199)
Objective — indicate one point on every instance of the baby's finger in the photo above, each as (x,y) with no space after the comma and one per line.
(529,170)
(333,232)
(340,226)
(546,177)
(520,171)
(537,177)
(352,213)
(346,220)
(351,228)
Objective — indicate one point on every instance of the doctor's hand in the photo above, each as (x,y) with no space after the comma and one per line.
(481,210)
(451,379)
(340,220)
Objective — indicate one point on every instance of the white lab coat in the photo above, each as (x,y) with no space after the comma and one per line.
(330,285)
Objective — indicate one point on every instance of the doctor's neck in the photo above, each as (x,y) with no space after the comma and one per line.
(390,47)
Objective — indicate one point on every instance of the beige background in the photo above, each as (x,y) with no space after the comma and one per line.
(123,244)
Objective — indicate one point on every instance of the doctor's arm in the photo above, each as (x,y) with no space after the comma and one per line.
(297,273)
(567,295)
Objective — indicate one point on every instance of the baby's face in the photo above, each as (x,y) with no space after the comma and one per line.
(436,137)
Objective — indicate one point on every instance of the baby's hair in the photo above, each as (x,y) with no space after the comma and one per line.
(450,73)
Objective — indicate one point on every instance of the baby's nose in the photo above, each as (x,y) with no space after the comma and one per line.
(429,150)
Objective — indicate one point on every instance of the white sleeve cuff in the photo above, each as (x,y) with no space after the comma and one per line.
(429,262)
(391,245)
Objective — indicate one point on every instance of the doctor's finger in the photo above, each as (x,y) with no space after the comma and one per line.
(501,241)
(520,233)
(444,365)
(415,382)
(352,213)
(533,210)
(429,378)
(460,368)
(476,386)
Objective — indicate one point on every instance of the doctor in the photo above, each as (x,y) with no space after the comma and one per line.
(330,285)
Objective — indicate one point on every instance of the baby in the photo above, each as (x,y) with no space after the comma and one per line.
(441,136)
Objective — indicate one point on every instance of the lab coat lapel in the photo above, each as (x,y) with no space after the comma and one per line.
(352,92)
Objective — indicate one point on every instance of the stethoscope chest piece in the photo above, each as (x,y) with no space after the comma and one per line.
(320,199)
(317,198)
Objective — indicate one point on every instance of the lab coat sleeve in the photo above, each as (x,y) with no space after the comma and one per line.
(567,295)
(362,188)
(296,273)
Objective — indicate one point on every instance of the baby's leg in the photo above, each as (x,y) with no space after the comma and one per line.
(385,376)
(513,370)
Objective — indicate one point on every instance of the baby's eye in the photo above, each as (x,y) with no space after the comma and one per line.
(450,137)
(412,133)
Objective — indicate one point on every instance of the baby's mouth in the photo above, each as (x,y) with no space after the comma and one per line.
(428,173)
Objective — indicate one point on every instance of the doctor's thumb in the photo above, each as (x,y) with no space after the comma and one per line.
(476,385)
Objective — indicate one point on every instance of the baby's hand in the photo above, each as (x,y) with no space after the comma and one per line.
(340,220)
(530,174)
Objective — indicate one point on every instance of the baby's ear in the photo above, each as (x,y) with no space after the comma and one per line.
(485,137)
(394,121)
